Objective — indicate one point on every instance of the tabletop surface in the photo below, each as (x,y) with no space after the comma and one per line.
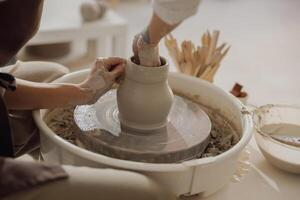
(262,182)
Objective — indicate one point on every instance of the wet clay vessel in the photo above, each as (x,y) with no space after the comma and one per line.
(144,96)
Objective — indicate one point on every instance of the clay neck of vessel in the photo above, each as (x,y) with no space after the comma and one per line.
(147,75)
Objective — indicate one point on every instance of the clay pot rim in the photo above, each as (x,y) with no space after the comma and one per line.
(163,60)
(147,75)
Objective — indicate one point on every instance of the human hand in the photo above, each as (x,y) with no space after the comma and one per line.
(102,76)
(145,54)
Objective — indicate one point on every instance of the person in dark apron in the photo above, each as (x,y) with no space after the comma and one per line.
(21,91)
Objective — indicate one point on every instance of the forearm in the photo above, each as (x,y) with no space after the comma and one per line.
(158,29)
(167,15)
(31,95)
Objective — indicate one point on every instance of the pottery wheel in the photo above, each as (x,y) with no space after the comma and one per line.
(185,136)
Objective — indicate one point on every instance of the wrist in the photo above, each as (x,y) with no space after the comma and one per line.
(147,39)
(85,94)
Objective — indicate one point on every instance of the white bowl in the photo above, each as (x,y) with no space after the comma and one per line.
(278,120)
(200,176)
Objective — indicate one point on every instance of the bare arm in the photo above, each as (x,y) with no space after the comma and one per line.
(158,29)
(167,15)
(32,95)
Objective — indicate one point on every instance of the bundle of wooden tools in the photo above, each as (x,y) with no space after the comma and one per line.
(199,61)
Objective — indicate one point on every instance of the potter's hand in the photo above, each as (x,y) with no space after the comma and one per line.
(145,54)
(32,95)
(102,76)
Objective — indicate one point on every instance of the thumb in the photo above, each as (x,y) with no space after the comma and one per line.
(118,70)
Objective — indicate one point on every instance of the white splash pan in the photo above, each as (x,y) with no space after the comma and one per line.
(200,176)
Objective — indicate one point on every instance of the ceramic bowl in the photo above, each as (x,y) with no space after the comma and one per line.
(279,120)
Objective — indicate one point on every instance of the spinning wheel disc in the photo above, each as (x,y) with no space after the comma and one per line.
(185,136)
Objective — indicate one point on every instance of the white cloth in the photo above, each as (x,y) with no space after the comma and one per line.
(174,11)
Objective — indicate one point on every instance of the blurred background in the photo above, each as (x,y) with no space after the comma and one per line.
(264,36)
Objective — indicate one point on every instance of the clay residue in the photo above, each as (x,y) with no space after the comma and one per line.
(61,121)
(223,135)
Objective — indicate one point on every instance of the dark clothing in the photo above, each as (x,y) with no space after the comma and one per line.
(19,21)
(7,82)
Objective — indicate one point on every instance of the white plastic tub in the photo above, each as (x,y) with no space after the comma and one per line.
(200,176)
